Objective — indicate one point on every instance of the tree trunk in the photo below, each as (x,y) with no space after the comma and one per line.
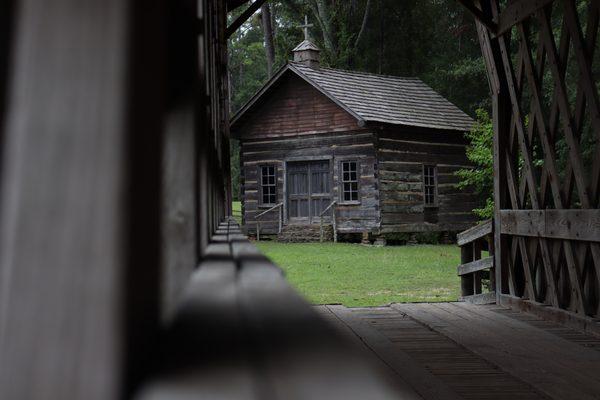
(268,33)
(381,37)
(322,14)
(363,25)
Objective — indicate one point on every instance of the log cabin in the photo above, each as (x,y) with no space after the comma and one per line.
(122,276)
(373,154)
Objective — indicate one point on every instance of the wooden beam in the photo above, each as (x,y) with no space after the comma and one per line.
(554,224)
(479,15)
(582,323)
(477,265)
(516,12)
(474,233)
(243,18)
(481,298)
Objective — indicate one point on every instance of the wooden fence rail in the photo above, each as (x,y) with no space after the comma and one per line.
(474,268)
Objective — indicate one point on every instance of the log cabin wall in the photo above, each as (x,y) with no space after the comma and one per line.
(334,147)
(402,153)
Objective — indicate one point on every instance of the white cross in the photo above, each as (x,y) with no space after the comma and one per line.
(305,27)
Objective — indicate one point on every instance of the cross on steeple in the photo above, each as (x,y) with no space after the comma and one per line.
(305,27)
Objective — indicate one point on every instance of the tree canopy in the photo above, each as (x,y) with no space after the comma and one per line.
(435,40)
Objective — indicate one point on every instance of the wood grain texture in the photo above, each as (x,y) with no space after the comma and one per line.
(569,370)
(241,332)
(554,224)
(63,228)
(294,107)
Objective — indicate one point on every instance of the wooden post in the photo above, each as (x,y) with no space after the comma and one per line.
(257,230)
(321,229)
(334,224)
(502,118)
(280,218)
(466,281)
(477,274)
(490,240)
(80,246)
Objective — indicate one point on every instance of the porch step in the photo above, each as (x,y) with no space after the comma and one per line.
(305,233)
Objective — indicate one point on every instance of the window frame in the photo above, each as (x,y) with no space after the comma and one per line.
(434,204)
(342,182)
(261,185)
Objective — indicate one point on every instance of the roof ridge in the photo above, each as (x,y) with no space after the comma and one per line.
(415,78)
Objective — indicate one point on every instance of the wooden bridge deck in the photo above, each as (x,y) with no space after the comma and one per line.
(463,351)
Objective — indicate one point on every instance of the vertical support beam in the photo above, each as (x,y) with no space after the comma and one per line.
(79,212)
(335,232)
(179,166)
(490,240)
(6,22)
(501,110)
(466,281)
(477,274)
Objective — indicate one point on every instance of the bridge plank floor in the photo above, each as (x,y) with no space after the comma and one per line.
(462,351)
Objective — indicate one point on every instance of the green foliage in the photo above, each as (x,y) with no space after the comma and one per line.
(480,152)
(360,276)
(435,40)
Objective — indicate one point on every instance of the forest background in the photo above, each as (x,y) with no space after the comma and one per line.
(435,40)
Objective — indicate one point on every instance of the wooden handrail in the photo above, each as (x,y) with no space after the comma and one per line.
(270,209)
(257,219)
(328,207)
(473,267)
(333,222)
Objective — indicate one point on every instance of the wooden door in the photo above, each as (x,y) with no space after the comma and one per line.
(309,190)
(320,189)
(298,192)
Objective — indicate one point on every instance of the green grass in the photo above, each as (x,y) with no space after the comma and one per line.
(356,275)
(236,211)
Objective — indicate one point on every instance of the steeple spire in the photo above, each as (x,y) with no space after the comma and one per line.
(305,27)
(307,52)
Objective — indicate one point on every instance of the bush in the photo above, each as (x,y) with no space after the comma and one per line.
(481,153)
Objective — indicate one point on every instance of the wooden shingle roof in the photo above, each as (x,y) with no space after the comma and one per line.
(378,98)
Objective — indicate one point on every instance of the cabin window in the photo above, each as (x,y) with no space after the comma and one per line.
(429,185)
(349,181)
(268,185)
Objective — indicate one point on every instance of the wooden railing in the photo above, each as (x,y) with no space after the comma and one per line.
(473,268)
(280,219)
(238,321)
(331,207)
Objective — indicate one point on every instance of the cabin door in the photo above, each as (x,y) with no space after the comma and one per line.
(309,190)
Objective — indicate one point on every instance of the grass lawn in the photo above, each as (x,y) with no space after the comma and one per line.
(356,275)
(236,211)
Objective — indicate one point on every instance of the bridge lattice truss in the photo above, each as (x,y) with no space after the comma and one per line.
(543,63)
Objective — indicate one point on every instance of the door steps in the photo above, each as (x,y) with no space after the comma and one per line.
(305,233)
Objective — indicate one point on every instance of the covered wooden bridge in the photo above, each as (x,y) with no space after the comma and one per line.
(122,277)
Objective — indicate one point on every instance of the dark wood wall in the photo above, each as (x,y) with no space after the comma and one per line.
(291,108)
(115,163)
(402,152)
(353,145)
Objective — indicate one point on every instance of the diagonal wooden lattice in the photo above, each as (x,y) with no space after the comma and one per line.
(540,61)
